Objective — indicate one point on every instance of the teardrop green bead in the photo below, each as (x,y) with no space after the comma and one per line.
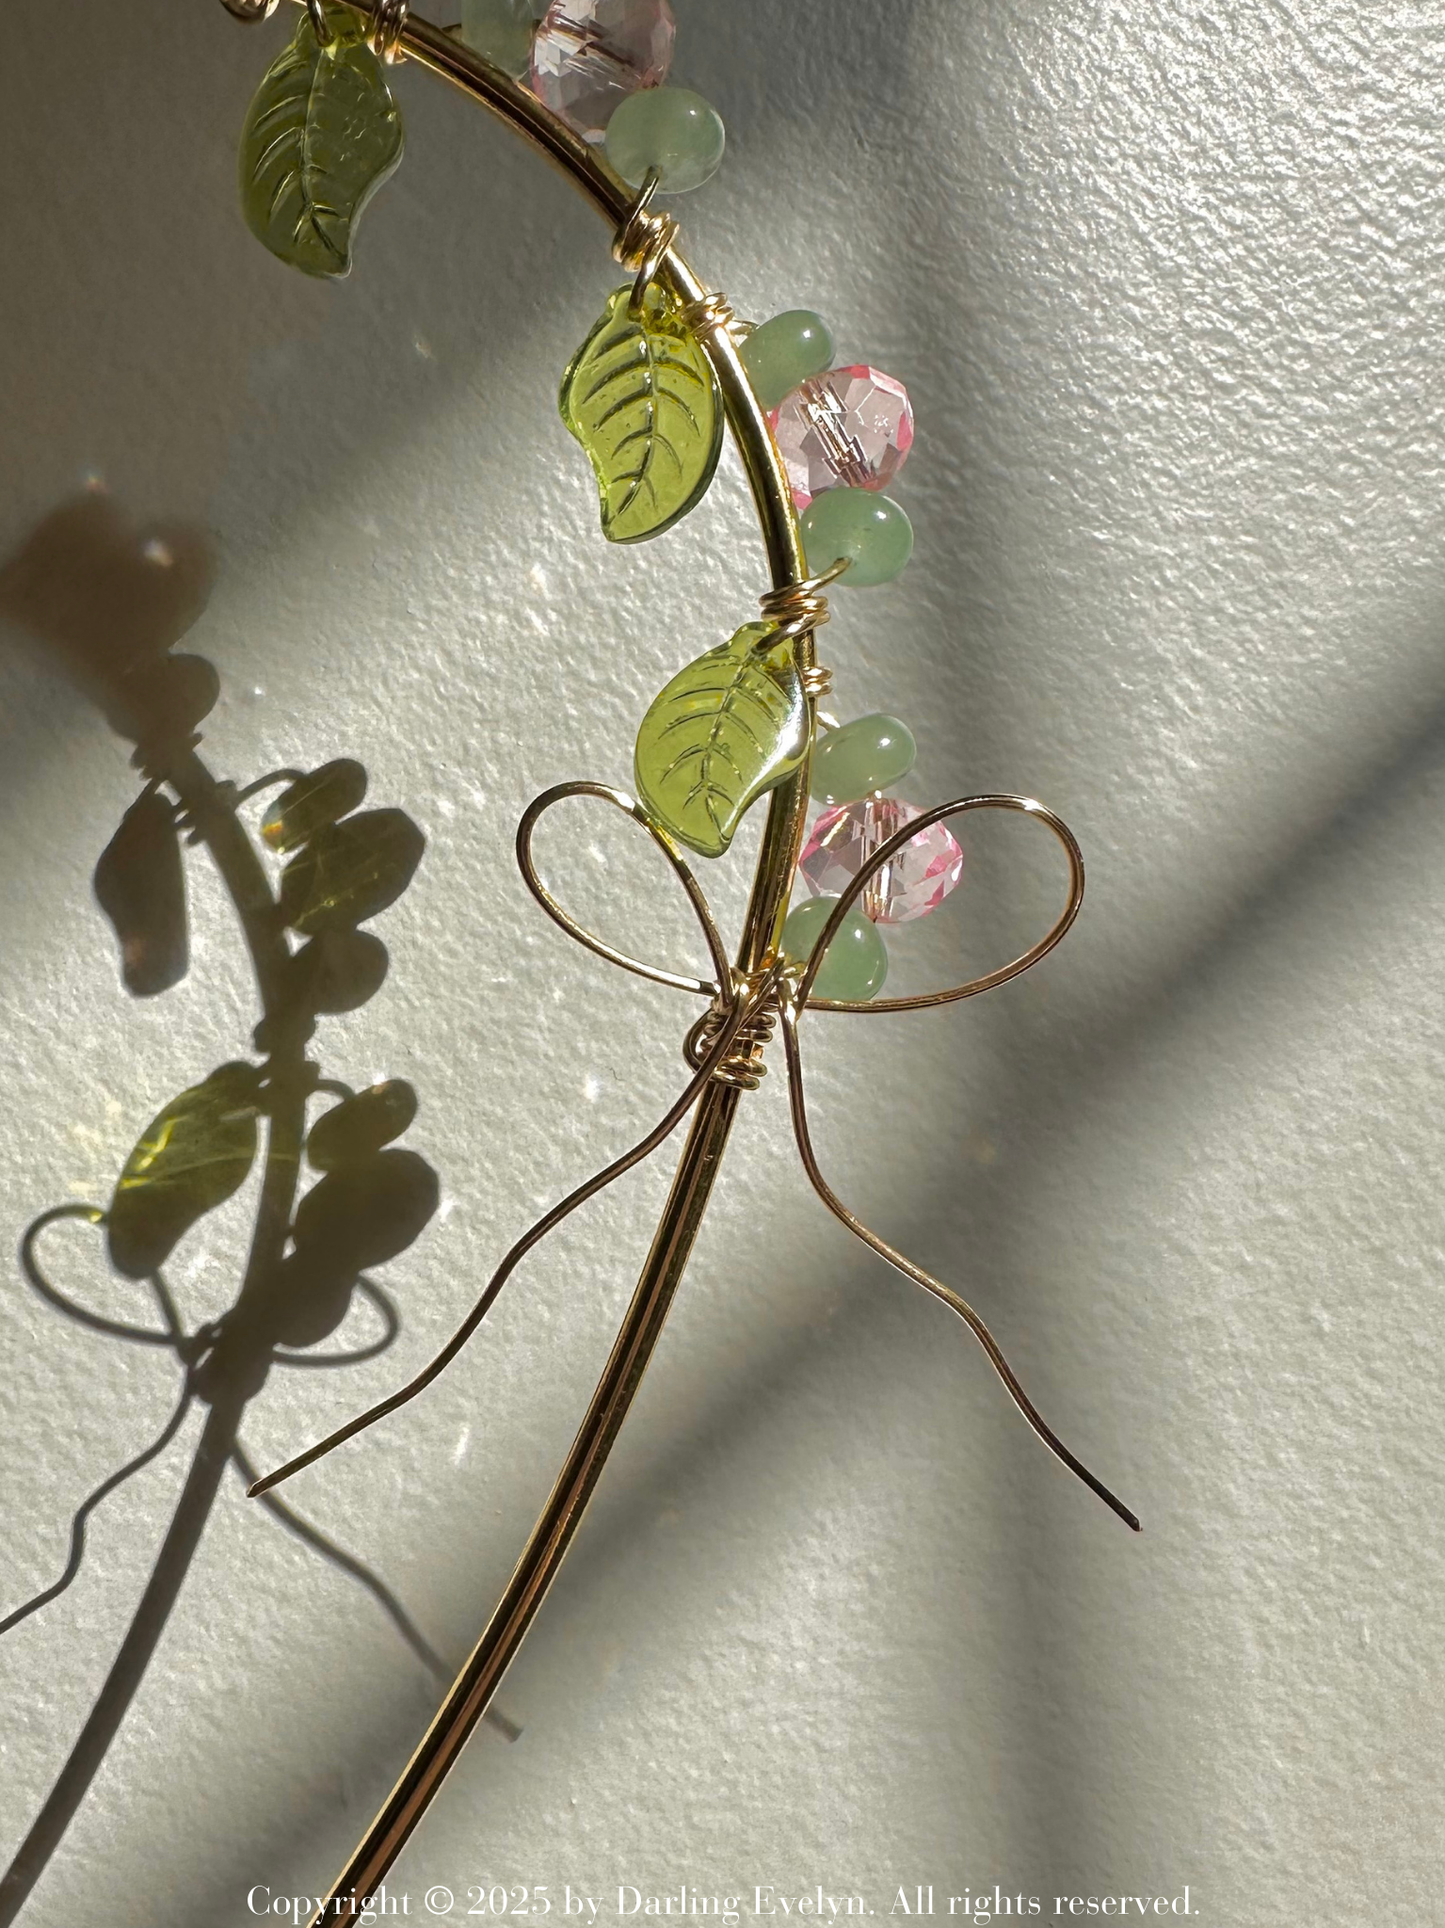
(869,754)
(857,959)
(870,530)
(671,129)
(501,31)
(786,351)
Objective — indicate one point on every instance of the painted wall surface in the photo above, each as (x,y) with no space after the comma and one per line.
(1167,286)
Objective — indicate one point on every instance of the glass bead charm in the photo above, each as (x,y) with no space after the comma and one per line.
(321,136)
(786,351)
(641,398)
(913,882)
(670,129)
(589,55)
(870,532)
(852,426)
(870,753)
(501,31)
(857,959)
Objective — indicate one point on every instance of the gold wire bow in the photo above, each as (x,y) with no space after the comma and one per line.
(727,1044)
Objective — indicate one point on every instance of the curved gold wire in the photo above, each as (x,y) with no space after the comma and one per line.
(747,989)
(926,999)
(630,807)
(789,1012)
(742,1012)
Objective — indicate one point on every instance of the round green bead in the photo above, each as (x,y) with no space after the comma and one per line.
(786,351)
(671,129)
(869,529)
(856,963)
(871,753)
(501,31)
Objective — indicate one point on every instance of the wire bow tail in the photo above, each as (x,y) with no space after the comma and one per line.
(788,1012)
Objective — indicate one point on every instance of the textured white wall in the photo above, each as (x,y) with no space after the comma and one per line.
(1167,284)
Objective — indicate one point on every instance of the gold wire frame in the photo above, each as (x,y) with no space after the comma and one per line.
(748,997)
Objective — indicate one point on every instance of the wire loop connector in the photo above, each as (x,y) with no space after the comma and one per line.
(388,24)
(799,607)
(644,239)
(708,313)
(742,1066)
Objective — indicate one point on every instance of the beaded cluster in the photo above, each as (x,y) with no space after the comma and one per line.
(641,397)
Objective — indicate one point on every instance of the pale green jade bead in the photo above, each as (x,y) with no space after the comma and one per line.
(856,963)
(501,31)
(671,129)
(786,351)
(869,529)
(872,753)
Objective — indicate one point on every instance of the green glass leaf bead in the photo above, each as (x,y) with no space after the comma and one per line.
(869,529)
(857,960)
(322,134)
(671,129)
(501,31)
(728,728)
(786,351)
(869,754)
(640,397)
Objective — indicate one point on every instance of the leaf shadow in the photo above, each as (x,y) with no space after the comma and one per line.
(105,601)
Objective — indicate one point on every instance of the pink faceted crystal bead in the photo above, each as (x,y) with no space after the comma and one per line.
(852,426)
(913,882)
(589,55)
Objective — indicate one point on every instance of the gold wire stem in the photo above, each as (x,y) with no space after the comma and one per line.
(710,1065)
(747,995)
(443,54)
(472,1691)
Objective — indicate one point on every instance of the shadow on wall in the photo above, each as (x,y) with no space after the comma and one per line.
(107,602)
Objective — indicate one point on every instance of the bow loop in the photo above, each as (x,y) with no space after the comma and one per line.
(630,807)
(803,999)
